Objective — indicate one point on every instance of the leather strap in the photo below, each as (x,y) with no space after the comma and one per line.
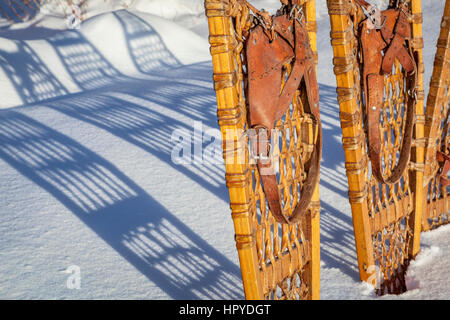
(443,175)
(396,40)
(375,65)
(265,60)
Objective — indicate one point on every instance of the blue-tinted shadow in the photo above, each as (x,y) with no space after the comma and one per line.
(85,64)
(152,121)
(145,45)
(16,11)
(337,238)
(30,77)
(132,222)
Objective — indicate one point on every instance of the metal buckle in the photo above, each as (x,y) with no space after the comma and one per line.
(260,157)
(253,135)
(262,21)
(268,27)
(298,12)
(372,14)
(412,94)
(402,3)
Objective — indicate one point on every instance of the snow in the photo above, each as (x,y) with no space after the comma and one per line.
(427,274)
(87,131)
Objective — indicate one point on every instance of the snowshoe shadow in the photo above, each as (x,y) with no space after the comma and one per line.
(143,112)
(145,45)
(31,78)
(82,60)
(140,229)
(336,225)
(17,11)
(154,122)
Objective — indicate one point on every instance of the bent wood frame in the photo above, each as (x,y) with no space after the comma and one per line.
(277,261)
(386,219)
(437,201)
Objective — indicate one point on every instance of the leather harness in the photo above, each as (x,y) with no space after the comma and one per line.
(386,32)
(279,40)
(444,158)
(443,155)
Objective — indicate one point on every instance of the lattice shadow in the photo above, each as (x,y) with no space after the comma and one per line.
(31,78)
(142,231)
(147,49)
(337,239)
(150,124)
(85,64)
(333,161)
(15,11)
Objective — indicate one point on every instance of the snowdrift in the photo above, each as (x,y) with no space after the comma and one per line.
(40,63)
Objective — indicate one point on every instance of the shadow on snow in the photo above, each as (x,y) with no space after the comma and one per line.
(131,221)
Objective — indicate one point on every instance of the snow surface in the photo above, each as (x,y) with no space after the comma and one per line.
(88,182)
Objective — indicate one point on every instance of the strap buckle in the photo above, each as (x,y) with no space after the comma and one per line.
(402,3)
(444,160)
(261,156)
(260,143)
(412,94)
(296,12)
(374,15)
(265,20)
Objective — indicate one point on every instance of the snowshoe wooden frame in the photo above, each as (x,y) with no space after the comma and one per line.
(437,196)
(278,261)
(386,218)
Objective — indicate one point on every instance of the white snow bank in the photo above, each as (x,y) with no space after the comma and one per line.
(115,44)
(54,13)
(146,33)
(428,276)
